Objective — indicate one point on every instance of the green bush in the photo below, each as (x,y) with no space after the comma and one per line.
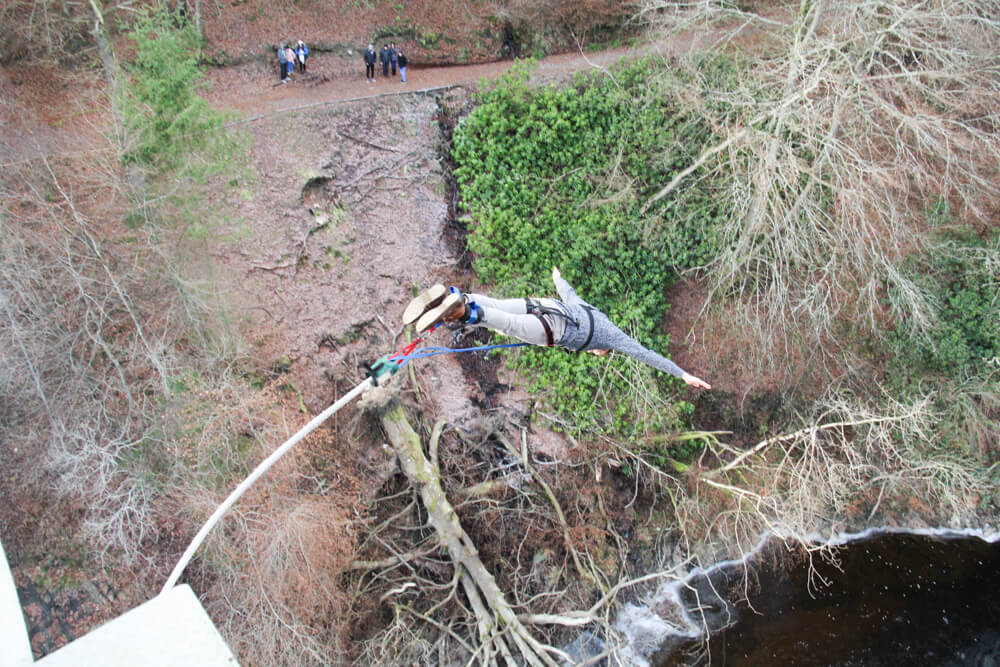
(558,176)
(962,277)
(958,359)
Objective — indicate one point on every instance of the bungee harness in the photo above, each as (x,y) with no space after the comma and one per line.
(538,309)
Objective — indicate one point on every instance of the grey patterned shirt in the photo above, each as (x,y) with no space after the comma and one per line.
(587,328)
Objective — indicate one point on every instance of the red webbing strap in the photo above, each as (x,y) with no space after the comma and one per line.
(402,353)
(549,341)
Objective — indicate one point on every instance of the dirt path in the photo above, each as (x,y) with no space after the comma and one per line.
(255,89)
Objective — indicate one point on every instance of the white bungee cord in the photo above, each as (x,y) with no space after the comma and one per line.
(258,471)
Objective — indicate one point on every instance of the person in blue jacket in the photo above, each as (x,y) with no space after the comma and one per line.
(301,55)
(571,323)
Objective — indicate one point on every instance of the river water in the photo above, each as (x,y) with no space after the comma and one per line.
(884,598)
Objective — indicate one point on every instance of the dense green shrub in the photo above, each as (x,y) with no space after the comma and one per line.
(558,176)
(962,277)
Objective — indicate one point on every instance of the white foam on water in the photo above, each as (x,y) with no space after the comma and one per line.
(644,630)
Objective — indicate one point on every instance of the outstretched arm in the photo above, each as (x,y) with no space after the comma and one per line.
(625,343)
(620,341)
(695,381)
(608,335)
(566,293)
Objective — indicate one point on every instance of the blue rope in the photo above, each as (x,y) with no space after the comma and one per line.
(425,352)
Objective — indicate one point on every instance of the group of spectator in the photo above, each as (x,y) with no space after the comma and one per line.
(390,58)
(291,60)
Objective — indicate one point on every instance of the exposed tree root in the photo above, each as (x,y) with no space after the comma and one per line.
(500,630)
(522,456)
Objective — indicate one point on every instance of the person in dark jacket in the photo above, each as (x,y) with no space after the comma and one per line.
(393,57)
(283,63)
(402,66)
(383,57)
(572,323)
(370,58)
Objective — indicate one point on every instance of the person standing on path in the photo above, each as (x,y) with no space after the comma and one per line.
(402,66)
(572,323)
(393,57)
(370,58)
(290,60)
(283,63)
(383,57)
(301,54)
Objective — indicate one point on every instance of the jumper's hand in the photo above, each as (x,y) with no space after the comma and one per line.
(555,274)
(695,381)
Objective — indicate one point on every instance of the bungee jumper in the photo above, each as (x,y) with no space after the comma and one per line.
(572,323)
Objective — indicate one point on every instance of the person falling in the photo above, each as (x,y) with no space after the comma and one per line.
(571,323)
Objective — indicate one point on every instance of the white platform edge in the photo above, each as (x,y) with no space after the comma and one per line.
(171,629)
(15,646)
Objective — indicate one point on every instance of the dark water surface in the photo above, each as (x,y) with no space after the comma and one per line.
(891,599)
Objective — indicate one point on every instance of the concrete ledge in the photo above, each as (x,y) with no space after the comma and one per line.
(15,647)
(171,629)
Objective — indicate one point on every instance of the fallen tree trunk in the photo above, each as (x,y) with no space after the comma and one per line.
(496,620)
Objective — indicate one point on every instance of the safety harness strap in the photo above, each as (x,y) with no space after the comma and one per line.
(590,333)
(535,308)
(549,342)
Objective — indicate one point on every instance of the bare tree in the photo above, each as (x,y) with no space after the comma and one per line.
(107,56)
(852,455)
(92,326)
(447,602)
(858,116)
(39,29)
(62,302)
